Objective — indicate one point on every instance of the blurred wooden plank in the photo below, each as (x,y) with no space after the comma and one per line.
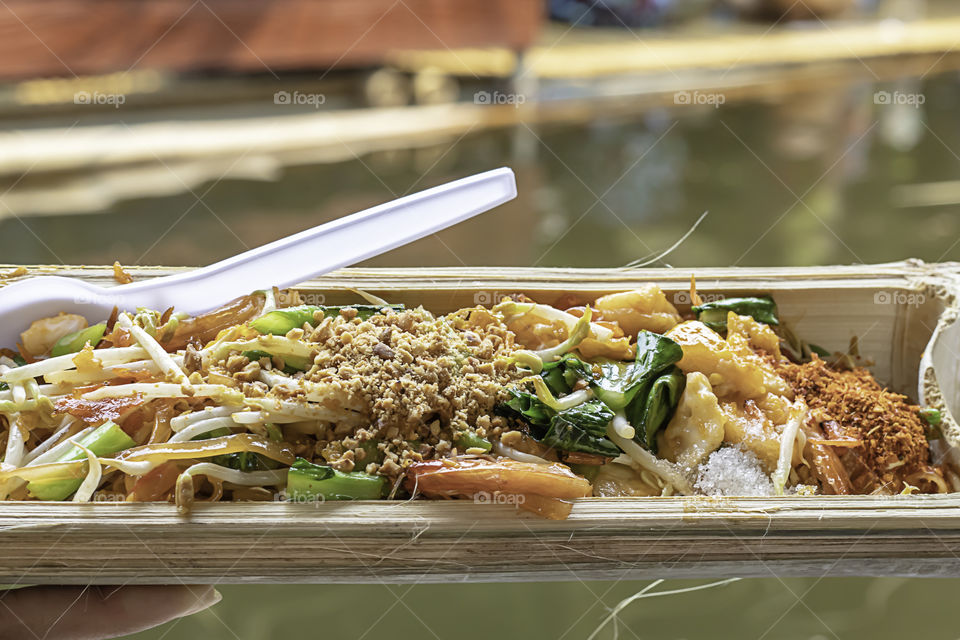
(289,137)
(322,136)
(78,37)
(639,51)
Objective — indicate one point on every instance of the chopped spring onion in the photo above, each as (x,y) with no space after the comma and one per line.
(105,440)
(279,322)
(73,342)
(308,482)
(466,440)
(48,472)
(931,416)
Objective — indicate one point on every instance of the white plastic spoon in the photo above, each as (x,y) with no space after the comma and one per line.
(283,263)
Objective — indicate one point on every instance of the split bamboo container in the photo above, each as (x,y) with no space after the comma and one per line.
(902,313)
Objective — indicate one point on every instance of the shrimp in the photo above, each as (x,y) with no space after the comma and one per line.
(643,308)
(541,488)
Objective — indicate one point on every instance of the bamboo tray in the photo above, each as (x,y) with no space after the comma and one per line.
(903,314)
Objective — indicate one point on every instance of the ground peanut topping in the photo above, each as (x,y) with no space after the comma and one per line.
(414,382)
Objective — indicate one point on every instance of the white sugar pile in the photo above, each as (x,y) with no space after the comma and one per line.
(732,471)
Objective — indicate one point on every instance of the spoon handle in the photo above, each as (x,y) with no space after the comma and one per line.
(336,244)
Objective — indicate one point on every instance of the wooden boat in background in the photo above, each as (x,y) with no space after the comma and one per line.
(85,37)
